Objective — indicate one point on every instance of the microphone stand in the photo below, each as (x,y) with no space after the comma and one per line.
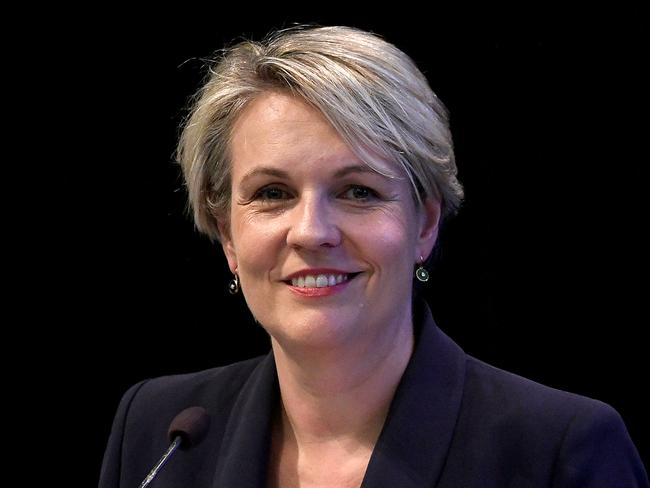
(170,450)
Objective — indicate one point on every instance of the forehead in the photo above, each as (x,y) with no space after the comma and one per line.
(280,130)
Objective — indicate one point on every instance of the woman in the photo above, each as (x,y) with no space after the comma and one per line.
(322,162)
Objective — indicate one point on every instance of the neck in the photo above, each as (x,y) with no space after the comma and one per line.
(341,395)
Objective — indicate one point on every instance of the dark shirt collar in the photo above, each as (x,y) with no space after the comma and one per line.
(413,443)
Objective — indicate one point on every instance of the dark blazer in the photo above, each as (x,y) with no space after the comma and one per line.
(454,422)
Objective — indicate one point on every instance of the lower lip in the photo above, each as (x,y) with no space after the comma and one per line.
(320,292)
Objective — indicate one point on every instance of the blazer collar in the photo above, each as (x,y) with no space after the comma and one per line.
(413,444)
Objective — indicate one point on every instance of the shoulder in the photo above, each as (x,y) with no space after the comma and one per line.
(139,432)
(504,400)
(212,386)
(150,405)
(575,437)
(513,394)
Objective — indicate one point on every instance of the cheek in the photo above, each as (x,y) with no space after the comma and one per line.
(392,248)
(388,244)
(392,235)
(257,244)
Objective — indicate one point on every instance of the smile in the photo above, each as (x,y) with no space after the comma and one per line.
(320,280)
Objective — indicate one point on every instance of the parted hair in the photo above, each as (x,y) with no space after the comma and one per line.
(370,92)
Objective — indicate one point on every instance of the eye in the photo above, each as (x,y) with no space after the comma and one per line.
(360,193)
(270,193)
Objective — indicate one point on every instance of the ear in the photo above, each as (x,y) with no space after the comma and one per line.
(227,244)
(429,220)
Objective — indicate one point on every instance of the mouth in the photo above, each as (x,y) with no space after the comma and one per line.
(321,280)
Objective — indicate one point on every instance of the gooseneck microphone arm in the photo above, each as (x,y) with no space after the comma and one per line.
(186,430)
(170,450)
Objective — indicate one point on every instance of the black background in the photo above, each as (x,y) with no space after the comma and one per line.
(542,273)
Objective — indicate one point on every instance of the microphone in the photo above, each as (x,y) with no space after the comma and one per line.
(186,430)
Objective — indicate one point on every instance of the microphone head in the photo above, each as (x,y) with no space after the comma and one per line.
(191,425)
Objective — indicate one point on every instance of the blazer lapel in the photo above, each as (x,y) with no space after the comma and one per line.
(413,445)
(244,453)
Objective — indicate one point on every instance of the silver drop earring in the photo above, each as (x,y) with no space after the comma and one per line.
(421,273)
(233,286)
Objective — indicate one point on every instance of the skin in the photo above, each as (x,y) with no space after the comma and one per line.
(339,357)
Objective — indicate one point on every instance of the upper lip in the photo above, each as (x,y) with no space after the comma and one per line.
(316,272)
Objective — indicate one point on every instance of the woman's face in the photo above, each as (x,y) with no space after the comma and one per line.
(324,246)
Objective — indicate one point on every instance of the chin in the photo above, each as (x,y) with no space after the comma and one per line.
(316,330)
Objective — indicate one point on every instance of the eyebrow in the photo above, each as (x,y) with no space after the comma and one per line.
(270,171)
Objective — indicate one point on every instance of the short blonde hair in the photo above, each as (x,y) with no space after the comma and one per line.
(371,92)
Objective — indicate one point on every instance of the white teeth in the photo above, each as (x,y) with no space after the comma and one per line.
(321,281)
(318,281)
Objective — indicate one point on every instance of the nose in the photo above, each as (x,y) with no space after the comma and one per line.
(313,224)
